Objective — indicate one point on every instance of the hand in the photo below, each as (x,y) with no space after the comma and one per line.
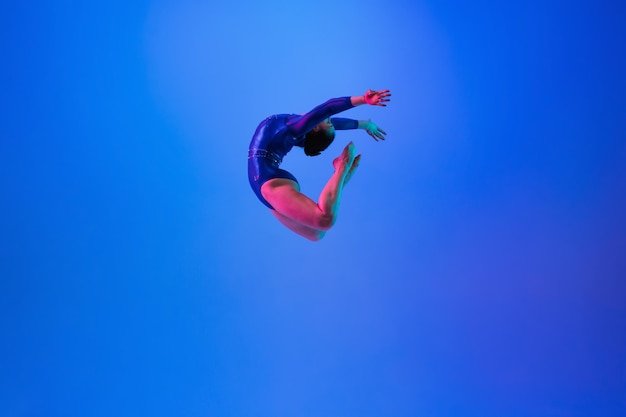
(374,131)
(377,98)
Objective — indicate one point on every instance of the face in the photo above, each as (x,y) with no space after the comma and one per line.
(327,127)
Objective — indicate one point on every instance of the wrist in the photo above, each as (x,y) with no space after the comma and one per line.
(357,100)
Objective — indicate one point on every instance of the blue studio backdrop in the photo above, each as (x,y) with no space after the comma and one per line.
(478,264)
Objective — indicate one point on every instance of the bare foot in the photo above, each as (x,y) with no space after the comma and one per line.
(343,162)
(355,165)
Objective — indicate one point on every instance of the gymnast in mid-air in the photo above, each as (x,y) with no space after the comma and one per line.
(314,131)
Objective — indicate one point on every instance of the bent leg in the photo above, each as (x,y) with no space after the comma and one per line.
(284,195)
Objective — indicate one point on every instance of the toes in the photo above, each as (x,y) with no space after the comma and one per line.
(350,150)
(355,162)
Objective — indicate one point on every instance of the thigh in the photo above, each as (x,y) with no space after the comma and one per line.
(260,171)
(285,197)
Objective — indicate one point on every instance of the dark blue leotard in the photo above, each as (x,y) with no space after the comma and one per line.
(276,135)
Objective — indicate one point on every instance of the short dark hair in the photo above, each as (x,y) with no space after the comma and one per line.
(316,141)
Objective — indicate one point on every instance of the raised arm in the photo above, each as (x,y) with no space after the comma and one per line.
(302,125)
(307,122)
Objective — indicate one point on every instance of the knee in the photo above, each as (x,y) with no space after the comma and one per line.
(325,222)
(316,237)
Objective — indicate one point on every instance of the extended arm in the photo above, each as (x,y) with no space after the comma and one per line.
(304,124)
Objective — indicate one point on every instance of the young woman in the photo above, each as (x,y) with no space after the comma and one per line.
(314,131)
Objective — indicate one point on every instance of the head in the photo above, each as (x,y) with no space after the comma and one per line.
(319,138)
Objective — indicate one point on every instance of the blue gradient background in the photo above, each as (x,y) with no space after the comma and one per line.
(477,267)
